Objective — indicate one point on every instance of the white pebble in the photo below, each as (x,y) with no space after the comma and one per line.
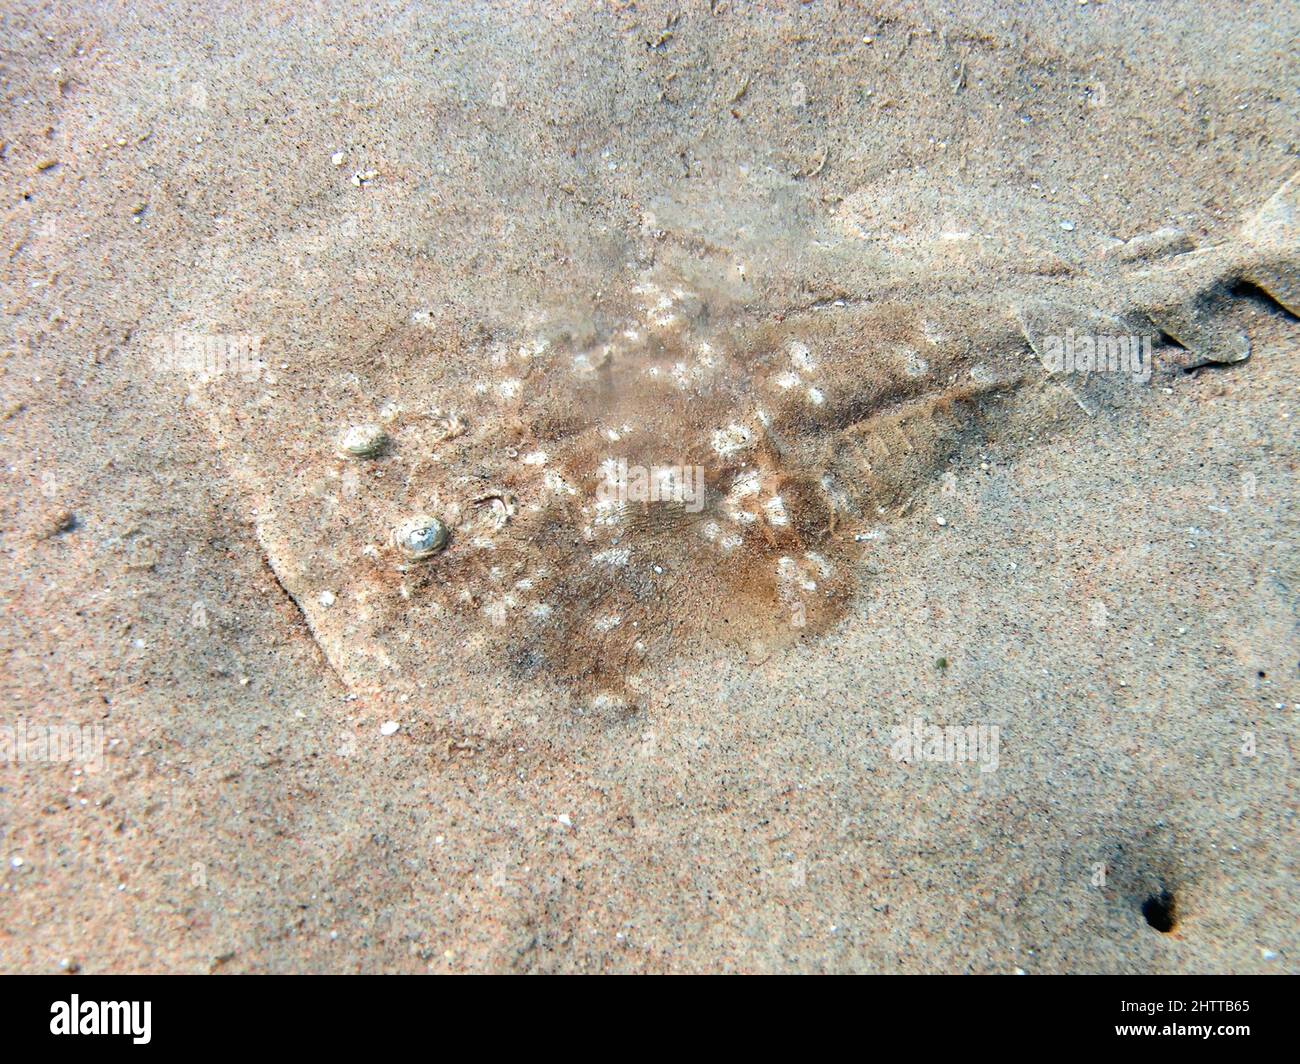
(389,727)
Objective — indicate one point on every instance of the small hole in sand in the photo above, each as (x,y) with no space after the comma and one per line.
(1159,911)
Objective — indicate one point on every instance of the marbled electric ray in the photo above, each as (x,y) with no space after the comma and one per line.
(818,378)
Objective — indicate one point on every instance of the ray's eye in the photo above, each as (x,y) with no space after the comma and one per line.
(420,537)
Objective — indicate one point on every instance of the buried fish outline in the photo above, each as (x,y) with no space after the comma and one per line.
(816,408)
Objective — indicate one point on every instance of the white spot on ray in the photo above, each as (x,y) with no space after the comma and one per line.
(801,357)
(732,440)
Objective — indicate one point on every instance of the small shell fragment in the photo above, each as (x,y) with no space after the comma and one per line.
(420,537)
(499,507)
(362,441)
(450,425)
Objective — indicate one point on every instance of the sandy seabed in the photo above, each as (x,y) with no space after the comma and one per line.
(786,244)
